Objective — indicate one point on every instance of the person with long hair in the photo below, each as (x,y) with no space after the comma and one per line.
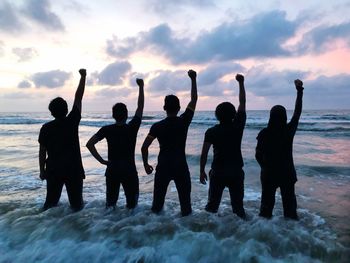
(274,153)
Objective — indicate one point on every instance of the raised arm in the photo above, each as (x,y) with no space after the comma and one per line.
(91,146)
(144,150)
(42,161)
(141,99)
(299,100)
(80,90)
(204,156)
(194,96)
(240,79)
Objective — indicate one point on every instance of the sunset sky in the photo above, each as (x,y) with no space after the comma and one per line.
(43,44)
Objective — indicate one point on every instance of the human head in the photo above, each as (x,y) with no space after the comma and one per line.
(120,112)
(171,104)
(58,108)
(225,112)
(278,117)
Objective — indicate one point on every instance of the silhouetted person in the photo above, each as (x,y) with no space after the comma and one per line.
(226,169)
(59,139)
(274,153)
(121,141)
(171,133)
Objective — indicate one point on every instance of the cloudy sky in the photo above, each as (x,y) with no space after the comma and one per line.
(43,43)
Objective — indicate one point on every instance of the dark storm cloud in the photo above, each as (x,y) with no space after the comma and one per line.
(24,54)
(261,36)
(50,79)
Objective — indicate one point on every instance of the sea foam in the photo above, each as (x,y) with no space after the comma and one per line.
(121,235)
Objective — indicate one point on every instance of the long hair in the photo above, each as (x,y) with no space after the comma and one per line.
(278,118)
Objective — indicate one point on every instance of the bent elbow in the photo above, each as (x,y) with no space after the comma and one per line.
(88,145)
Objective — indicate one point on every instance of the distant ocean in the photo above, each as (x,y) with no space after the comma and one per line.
(322,159)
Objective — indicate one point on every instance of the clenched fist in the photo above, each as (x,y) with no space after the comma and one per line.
(240,78)
(82,72)
(192,74)
(140,82)
(148,168)
(298,84)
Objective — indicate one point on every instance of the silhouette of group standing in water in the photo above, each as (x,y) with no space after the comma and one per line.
(61,164)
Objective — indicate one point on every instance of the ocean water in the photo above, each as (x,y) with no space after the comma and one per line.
(322,159)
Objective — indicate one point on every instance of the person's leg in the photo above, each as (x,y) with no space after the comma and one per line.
(112,190)
(183,186)
(236,187)
(289,201)
(131,190)
(53,192)
(267,199)
(216,187)
(161,182)
(74,187)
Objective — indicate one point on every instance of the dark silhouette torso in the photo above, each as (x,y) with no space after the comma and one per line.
(61,139)
(226,139)
(172,134)
(276,146)
(121,141)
